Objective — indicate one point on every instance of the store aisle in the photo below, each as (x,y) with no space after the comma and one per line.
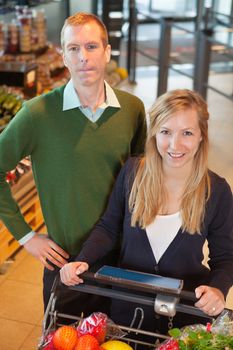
(21,309)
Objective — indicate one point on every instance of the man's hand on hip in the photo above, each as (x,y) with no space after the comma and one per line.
(45,250)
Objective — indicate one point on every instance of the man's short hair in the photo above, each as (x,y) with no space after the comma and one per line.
(81,18)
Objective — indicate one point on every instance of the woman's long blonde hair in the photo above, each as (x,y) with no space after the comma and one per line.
(148,194)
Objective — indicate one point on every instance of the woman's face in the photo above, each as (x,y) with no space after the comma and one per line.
(178,139)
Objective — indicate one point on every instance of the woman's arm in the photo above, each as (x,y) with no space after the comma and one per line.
(220,238)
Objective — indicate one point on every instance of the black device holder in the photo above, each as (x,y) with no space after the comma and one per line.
(165,303)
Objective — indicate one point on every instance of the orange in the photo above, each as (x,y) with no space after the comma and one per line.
(87,342)
(65,338)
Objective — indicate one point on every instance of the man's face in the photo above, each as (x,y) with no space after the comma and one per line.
(84,54)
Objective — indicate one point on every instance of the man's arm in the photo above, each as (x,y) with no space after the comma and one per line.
(17,142)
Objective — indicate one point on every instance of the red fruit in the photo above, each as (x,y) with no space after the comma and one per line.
(87,342)
(48,341)
(208,327)
(49,346)
(65,338)
(171,344)
(96,325)
(100,331)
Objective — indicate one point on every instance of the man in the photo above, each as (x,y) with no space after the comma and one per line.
(78,136)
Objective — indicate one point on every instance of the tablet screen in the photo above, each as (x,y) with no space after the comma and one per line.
(139,278)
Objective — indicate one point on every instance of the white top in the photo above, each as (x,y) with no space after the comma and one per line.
(162,231)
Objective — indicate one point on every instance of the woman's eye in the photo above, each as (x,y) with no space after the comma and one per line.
(188,133)
(165,132)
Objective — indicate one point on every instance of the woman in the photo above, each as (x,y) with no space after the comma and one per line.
(166,204)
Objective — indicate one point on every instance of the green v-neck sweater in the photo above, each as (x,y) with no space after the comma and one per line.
(75,162)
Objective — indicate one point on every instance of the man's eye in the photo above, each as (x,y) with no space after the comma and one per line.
(73,48)
(92,46)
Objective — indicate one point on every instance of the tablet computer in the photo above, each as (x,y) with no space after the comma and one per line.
(139,280)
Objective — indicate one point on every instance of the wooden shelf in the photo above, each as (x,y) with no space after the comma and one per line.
(25,194)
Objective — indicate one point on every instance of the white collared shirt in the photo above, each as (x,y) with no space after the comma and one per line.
(71,100)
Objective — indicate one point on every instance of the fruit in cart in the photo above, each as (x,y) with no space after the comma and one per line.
(116,345)
(171,344)
(99,331)
(87,342)
(65,338)
(48,341)
(96,325)
(49,346)
(200,337)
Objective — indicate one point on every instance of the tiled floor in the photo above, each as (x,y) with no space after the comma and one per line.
(21,309)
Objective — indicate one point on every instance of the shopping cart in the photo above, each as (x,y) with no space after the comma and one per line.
(163,294)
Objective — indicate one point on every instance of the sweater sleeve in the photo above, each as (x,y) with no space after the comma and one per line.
(220,240)
(138,141)
(105,234)
(15,144)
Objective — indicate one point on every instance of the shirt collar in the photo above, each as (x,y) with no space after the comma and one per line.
(71,99)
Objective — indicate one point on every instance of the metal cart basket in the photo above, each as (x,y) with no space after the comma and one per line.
(164,301)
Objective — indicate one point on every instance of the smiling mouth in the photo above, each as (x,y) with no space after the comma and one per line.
(176,155)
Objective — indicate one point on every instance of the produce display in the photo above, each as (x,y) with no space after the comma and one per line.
(10,103)
(114,74)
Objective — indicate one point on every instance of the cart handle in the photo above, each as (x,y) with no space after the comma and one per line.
(90,276)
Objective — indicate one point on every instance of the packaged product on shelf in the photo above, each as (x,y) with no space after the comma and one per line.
(12,38)
(39,24)
(25,30)
(2,38)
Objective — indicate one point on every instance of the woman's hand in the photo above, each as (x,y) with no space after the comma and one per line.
(211,300)
(70,272)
